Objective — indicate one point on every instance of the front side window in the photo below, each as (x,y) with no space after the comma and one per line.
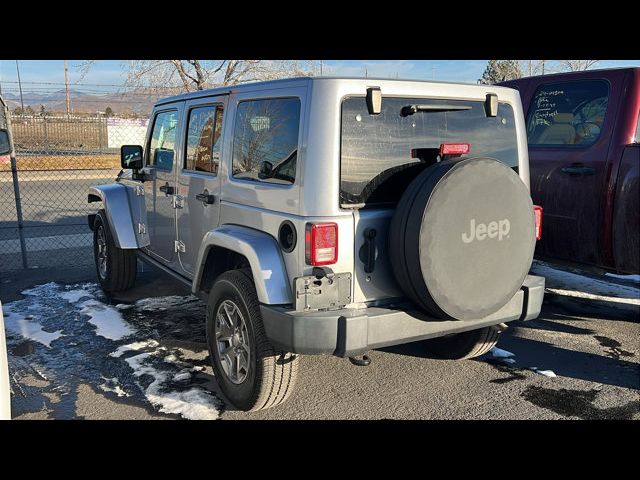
(567,114)
(265,146)
(203,139)
(163,140)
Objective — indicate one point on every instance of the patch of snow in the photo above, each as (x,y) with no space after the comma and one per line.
(193,404)
(171,358)
(496,352)
(546,373)
(124,306)
(73,296)
(45,290)
(631,278)
(591,296)
(182,376)
(112,385)
(135,346)
(574,285)
(27,326)
(108,320)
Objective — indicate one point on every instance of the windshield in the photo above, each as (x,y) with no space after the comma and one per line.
(376,163)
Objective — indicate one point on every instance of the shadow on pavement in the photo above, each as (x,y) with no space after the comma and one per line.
(570,363)
(545,356)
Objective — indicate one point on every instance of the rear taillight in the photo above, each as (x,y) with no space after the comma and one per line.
(538,212)
(454,148)
(321,243)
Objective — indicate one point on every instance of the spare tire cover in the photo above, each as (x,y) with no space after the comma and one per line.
(462,238)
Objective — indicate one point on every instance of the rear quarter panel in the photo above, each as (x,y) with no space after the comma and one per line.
(626,213)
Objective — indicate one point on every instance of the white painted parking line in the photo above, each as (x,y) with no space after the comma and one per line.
(38,244)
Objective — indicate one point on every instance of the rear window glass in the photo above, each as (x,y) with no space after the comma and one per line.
(376,149)
(567,114)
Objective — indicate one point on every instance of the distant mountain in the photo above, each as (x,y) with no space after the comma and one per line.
(130,102)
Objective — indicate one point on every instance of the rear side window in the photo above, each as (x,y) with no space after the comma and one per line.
(203,139)
(265,146)
(163,140)
(567,114)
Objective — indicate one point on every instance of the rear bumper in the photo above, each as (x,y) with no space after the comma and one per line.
(349,332)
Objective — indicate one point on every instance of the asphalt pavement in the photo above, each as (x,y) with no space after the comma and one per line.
(579,360)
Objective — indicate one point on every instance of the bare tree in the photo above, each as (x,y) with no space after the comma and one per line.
(576,65)
(534,67)
(501,70)
(188,75)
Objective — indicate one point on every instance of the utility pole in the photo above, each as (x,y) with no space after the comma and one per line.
(320,67)
(530,71)
(20,87)
(66,87)
(542,66)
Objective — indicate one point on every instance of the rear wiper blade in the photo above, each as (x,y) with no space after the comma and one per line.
(411,109)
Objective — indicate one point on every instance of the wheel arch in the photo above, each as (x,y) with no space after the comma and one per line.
(117,200)
(230,247)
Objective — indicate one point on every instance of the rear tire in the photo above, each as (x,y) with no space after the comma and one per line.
(116,267)
(464,345)
(251,373)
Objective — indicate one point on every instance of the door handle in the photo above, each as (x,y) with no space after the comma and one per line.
(167,189)
(577,169)
(206,197)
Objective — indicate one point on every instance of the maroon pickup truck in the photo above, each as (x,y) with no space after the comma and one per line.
(584,155)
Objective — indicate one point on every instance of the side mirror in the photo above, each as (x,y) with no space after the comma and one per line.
(131,156)
(5,145)
(266,169)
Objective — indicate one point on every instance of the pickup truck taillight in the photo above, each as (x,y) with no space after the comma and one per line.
(321,243)
(538,212)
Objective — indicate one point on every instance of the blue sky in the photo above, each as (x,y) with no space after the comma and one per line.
(111,72)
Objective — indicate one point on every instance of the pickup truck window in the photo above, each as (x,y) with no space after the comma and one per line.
(265,146)
(203,139)
(567,114)
(163,140)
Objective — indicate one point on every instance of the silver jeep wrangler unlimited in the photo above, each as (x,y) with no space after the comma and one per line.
(329,216)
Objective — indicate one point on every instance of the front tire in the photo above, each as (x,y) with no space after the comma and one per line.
(116,267)
(464,345)
(250,372)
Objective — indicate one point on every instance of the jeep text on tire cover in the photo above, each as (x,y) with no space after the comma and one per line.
(483,230)
(329,216)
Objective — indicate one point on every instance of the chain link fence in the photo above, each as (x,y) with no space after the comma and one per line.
(43,203)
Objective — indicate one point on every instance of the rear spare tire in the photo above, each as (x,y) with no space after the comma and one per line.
(462,238)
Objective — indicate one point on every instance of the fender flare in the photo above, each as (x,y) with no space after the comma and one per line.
(118,200)
(263,253)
